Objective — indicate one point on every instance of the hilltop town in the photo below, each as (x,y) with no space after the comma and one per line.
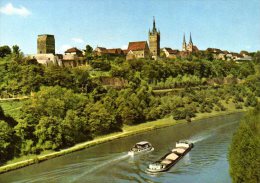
(136,50)
(54,104)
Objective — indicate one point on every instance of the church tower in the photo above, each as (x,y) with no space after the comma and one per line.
(154,41)
(190,45)
(184,46)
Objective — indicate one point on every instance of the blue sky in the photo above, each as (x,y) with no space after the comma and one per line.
(232,25)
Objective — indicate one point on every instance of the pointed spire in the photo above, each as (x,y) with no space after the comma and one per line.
(190,39)
(184,46)
(154,26)
(153,22)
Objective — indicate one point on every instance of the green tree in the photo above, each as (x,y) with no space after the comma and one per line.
(16,50)
(81,77)
(244,154)
(43,115)
(4,51)
(89,49)
(75,128)
(49,133)
(9,142)
(256,57)
(6,142)
(89,52)
(99,119)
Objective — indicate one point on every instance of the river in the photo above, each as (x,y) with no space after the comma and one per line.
(109,162)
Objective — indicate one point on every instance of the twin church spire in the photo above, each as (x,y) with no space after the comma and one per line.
(186,47)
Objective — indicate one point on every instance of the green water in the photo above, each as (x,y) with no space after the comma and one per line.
(109,162)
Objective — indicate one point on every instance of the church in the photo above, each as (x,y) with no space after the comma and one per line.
(190,47)
(141,49)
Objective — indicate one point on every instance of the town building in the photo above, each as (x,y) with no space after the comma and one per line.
(170,53)
(138,50)
(73,57)
(100,51)
(218,54)
(115,52)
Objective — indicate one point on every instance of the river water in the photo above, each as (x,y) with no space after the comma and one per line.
(109,162)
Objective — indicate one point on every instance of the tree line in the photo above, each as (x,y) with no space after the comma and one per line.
(68,106)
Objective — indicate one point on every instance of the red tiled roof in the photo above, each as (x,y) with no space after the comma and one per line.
(114,51)
(171,51)
(125,51)
(101,48)
(244,52)
(119,51)
(214,50)
(195,48)
(225,52)
(236,54)
(71,50)
(136,46)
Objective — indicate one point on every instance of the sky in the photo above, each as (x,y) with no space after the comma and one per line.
(232,25)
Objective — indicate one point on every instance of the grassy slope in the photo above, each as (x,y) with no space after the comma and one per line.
(12,108)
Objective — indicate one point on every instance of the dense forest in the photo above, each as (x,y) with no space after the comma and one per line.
(66,106)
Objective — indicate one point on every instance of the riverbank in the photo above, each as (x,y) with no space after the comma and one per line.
(127,131)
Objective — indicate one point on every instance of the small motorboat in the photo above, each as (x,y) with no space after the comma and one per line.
(141,147)
(171,158)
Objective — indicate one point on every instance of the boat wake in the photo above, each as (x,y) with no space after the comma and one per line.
(212,132)
(200,137)
(58,174)
(101,166)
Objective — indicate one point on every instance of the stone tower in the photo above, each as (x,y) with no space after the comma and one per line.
(190,45)
(45,44)
(184,46)
(154,41)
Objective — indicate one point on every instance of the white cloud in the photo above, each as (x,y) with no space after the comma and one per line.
(124,47)
(77,40)
(9,9)
(63,48)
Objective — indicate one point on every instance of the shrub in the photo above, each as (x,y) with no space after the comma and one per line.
(238,106)
(216,108)
(251,100)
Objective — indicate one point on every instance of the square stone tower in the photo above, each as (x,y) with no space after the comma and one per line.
(154,41)
(45,44)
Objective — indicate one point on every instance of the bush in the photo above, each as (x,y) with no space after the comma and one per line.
(221,106)
(207,109)
(251,100)
(183,113)
(238,106)
(100,65)
(216,108)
